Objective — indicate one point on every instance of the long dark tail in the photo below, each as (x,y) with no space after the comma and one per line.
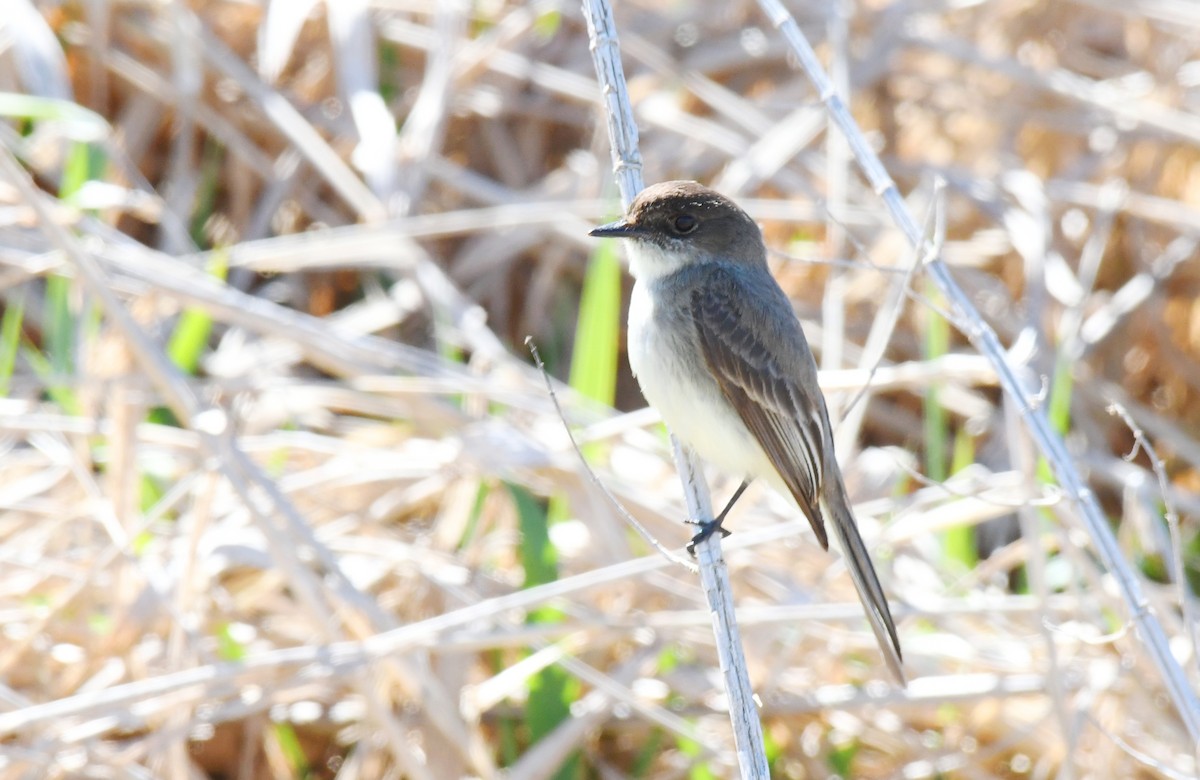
(862,571)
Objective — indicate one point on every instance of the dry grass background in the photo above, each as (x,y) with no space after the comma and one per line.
(281,496)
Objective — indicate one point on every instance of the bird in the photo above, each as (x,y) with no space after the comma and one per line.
(718,350)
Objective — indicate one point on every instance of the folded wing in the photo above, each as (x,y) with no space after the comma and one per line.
(777,411)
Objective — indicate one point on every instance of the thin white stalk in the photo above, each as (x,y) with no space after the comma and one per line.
(714,577)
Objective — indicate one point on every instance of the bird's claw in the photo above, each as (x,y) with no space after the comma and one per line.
(707,528)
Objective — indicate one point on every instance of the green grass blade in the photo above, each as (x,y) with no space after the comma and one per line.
(841,757)
(538,556)
(597,333)
(10,341)
(229,647)
(958,544)
(61,394)
(55,361)
(84,163)
(960,541)
(189,339)
(472,526)
(643,761)
(1058,410)
(293,751)
(552,691)
(74,121)
(547,24)
(206,195)
(58,329)
(699,770)
(937,344)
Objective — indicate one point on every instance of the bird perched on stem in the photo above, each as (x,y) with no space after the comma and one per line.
(717,349)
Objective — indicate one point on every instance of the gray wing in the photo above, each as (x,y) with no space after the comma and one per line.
(757,373)
(761,374)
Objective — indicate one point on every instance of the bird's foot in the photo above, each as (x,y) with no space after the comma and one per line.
(707,529)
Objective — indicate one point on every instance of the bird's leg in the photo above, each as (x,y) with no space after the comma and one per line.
(708,528)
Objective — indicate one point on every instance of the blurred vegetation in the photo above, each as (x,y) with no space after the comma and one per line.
(336,224)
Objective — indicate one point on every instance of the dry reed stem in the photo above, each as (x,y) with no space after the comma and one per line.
(714,575)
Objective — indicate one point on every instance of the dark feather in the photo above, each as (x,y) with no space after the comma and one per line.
(772,405)
(791,424)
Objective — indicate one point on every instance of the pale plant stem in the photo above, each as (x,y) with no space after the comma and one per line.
(714,576)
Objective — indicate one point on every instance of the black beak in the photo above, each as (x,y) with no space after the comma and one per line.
(618,229)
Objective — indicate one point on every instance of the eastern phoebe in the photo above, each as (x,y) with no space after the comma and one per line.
(719,352)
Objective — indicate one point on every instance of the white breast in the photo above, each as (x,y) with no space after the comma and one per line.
(675,380)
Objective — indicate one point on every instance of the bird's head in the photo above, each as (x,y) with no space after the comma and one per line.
(678,223)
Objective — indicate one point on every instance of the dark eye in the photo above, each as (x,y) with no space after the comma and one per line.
(684,224)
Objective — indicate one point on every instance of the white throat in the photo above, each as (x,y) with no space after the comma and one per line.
(648,261)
